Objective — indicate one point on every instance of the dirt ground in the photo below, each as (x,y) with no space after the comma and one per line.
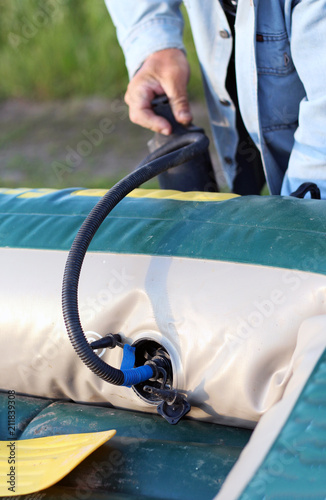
(80,142)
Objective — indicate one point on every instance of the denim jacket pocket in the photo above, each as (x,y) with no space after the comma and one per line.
(273,54)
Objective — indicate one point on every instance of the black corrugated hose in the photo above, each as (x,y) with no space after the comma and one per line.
(178,151)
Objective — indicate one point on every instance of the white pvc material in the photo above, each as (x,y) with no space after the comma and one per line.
(310,346)
(231,329)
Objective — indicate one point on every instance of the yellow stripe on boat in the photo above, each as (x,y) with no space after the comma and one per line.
(35,193)
(166,194)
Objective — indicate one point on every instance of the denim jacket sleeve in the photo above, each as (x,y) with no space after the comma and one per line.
(146,26)
(308,45)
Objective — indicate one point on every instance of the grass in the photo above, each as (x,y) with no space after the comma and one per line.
(34,175)
(62,48)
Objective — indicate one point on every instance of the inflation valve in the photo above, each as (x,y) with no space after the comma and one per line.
(174,405)
(157,388)
(171,404)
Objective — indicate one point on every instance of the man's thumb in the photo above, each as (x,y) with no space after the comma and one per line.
(181,109)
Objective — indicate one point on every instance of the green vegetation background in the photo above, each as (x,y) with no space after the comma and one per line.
(53,49)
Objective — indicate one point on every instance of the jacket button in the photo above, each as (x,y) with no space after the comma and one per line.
(224,34)
(228,160)
(225,102)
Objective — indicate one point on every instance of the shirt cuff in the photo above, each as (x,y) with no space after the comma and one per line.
(147,38)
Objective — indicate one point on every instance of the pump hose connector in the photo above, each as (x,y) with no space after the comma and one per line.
(178,151)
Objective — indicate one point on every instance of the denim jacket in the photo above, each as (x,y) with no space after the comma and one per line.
(281,76)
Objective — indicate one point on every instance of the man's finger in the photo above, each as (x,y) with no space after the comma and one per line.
(176,82)
(139,99)
(148,119)
(163,72)
(180,108)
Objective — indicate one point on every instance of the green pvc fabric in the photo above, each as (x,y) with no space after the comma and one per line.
(296,463)
(273,231)
(147,458)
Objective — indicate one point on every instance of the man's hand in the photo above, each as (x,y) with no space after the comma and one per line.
(164,72)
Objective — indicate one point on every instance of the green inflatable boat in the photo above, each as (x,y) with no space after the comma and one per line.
(202,346)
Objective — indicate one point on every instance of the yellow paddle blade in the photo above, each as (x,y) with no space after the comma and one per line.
(30,465)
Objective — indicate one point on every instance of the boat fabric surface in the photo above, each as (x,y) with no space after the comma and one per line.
(275,231)
(234,287)
(143,459)
(295,465)
(224,286)
(285,457)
